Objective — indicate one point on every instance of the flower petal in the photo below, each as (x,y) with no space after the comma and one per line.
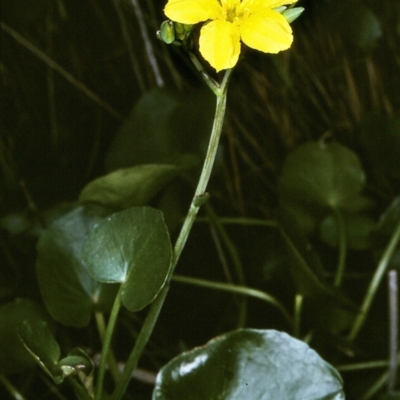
(192,11)
(259,5)
(220,44)
(267,31)
(277,3)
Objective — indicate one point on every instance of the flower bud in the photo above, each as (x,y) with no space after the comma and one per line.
(292,13)
(182,31)
(167,32)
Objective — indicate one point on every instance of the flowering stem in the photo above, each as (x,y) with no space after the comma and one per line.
(210,82)
(198,199)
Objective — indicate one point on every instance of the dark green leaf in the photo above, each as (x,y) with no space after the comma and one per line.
(78,362)
(144,138)
(321,175)
(358,230)
(14,356)
(39,341)
(131,247)
(252,365)
(162,128)
(69,293)
(128,187)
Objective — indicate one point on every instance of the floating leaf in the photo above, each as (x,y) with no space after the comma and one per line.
(128,187)
(41,344)
(131,247)
(14,356)
(69,293)
(249,364)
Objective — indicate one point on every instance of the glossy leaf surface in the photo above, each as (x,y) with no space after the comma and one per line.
(131,247)
(69,293)
(249,364)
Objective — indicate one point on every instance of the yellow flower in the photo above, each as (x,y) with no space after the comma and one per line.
(254,22)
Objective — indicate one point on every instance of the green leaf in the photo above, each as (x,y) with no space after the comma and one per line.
(162,128)
(14,356)
(358,230)
(69,293)
(40,343)
(79,363)
(145,138)
(128,187)
(131,247)
(321,175)
(249,364)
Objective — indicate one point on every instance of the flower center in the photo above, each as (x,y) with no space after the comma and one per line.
(231,15)
(233,10)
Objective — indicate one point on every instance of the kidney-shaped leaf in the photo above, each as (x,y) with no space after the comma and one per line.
(14,356)
(249,364)
(41,344)
(128,187)
(324,175)
(131,247)
(69,293)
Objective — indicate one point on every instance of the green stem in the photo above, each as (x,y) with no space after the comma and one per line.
(80,391)
(365,365)
(243,290)
(241,221)
(101,327)
(140,344)
(13,391)
(210,82)
(107,344)
(234,256)
(374,284)
(199,196)
(342,247)
(376,387)
(298,305)
(228,243)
